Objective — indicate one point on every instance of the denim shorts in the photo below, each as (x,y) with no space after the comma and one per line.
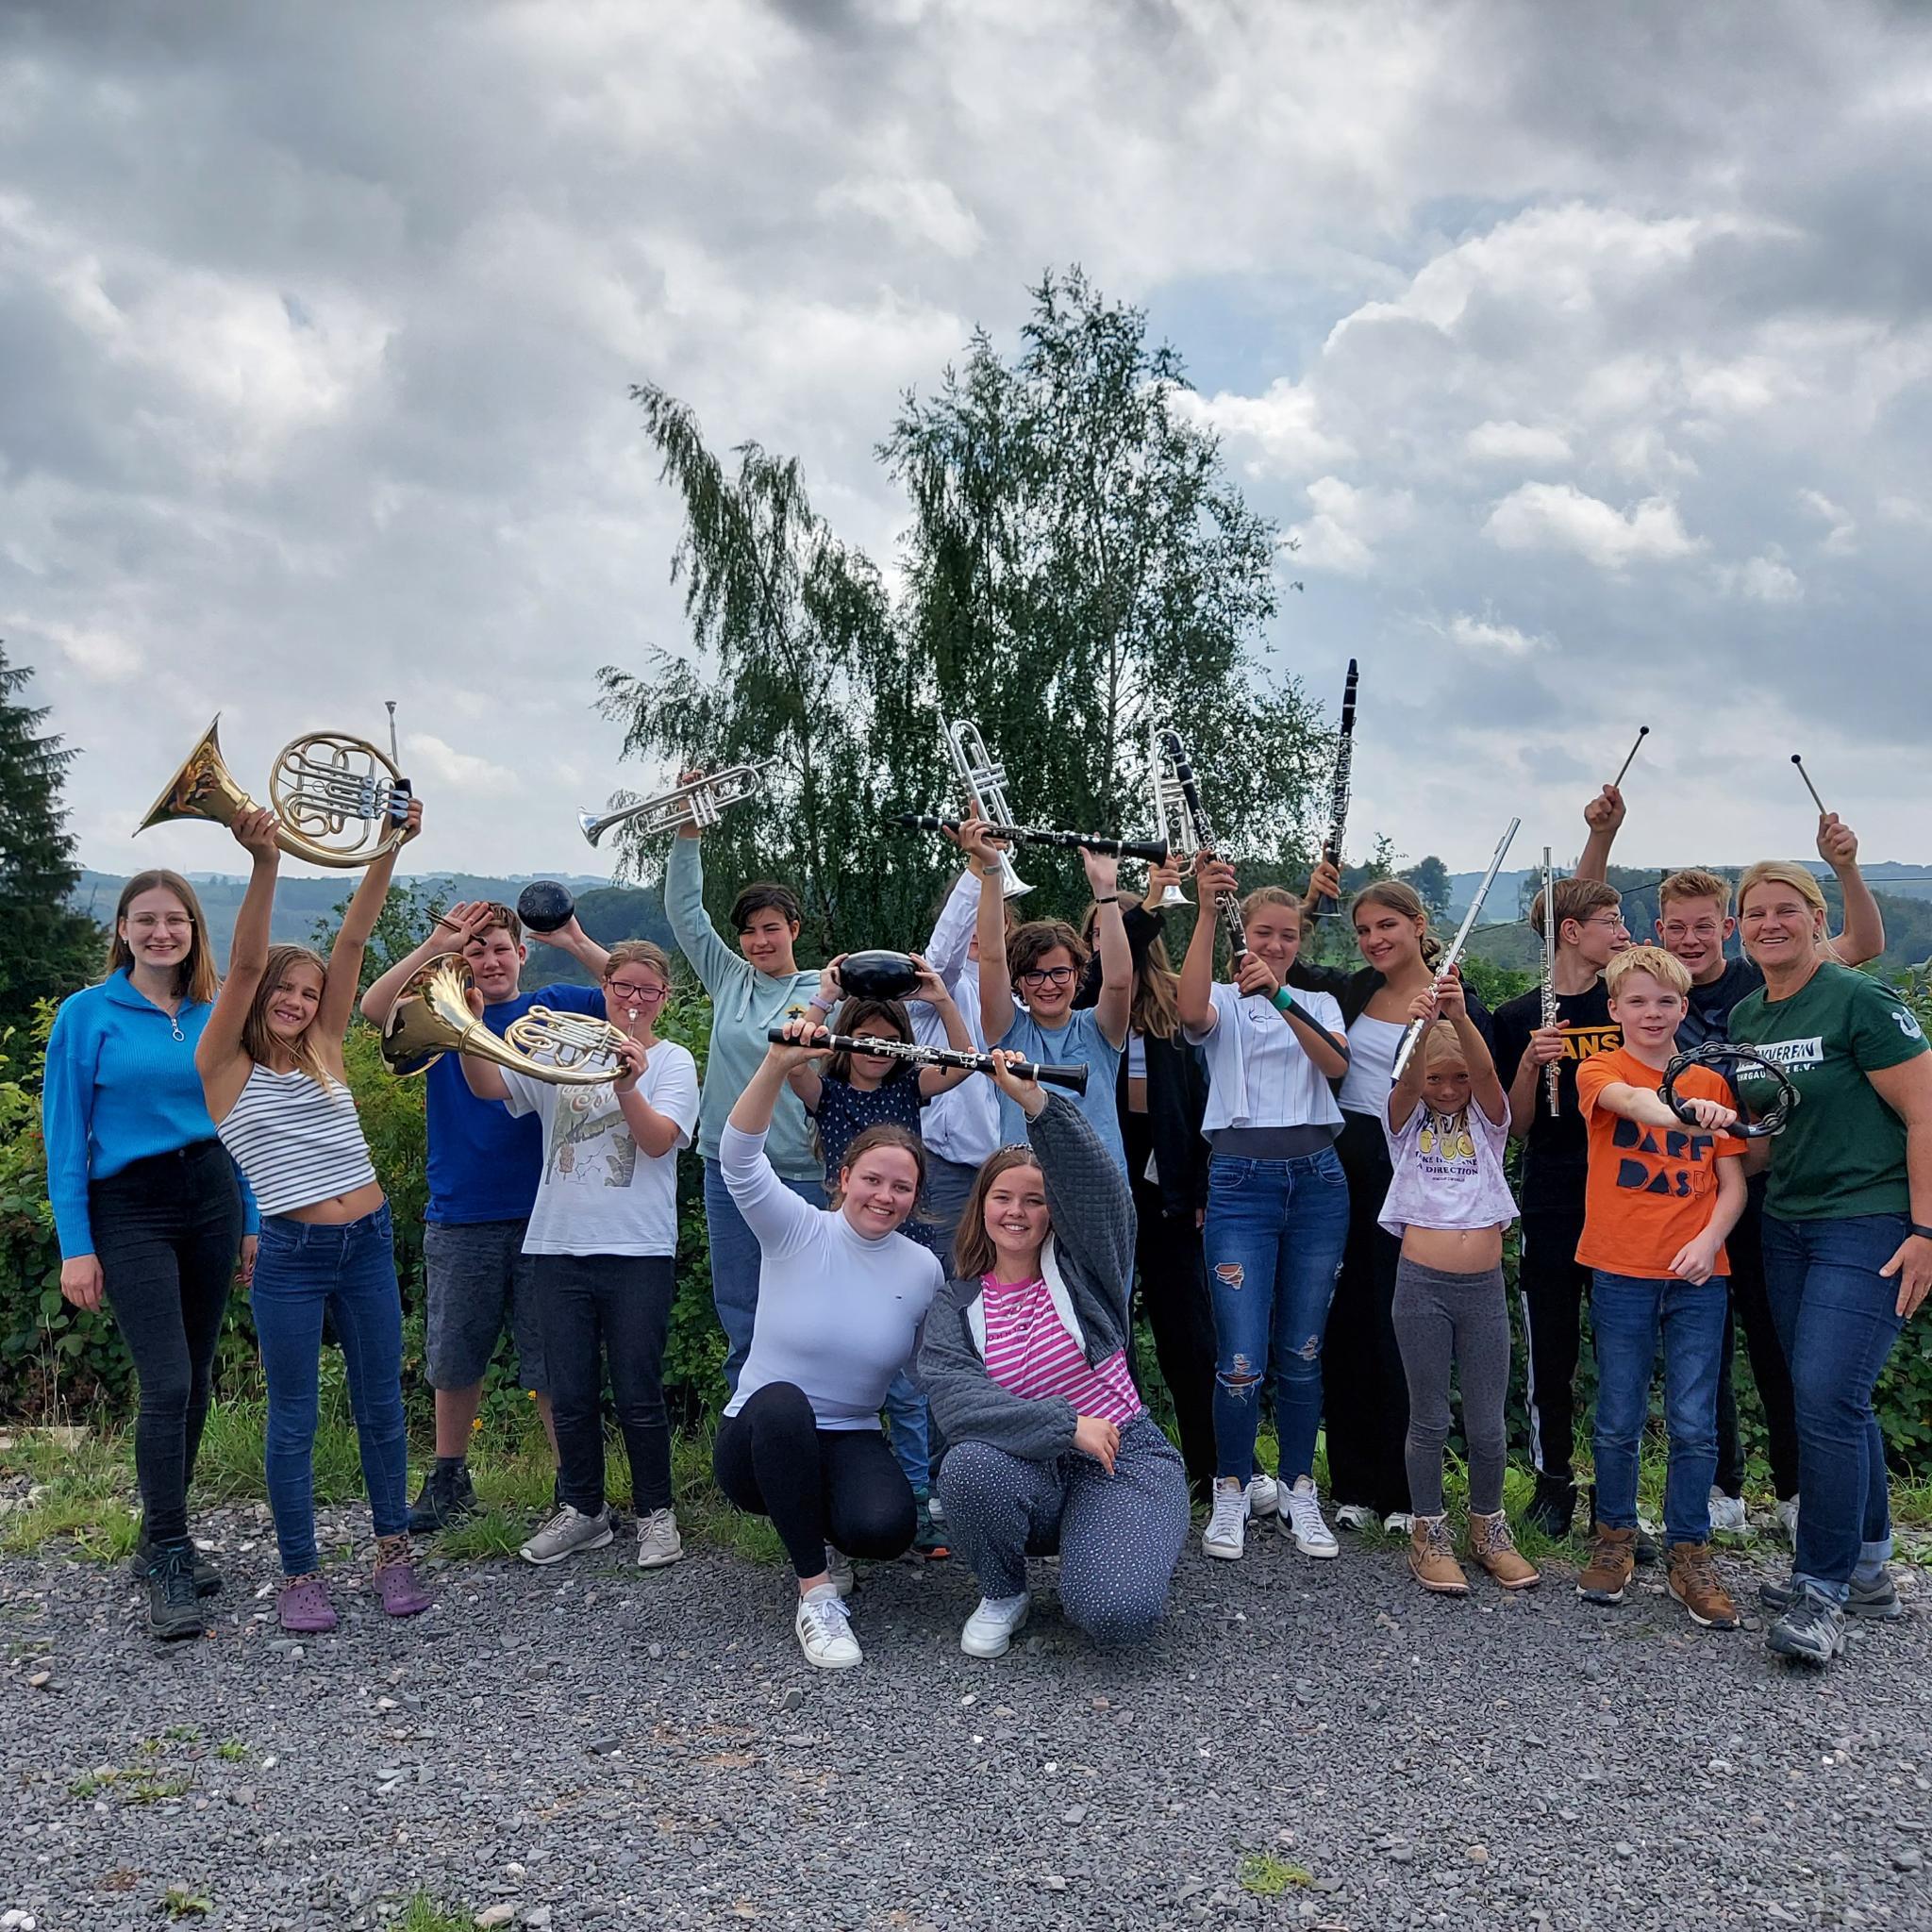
(478,1277)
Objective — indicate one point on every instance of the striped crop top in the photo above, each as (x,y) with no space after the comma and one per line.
(297,1141)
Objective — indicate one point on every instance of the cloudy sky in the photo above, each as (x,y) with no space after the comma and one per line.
(1586,352)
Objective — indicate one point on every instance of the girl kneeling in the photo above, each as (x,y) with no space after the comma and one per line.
(1448,1203)
(840,1294)
(1023,1358)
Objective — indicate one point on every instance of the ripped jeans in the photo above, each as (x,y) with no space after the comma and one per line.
(1274,1238)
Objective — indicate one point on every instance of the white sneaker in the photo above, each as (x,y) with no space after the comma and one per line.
(1398,1522)
(825,1630)
(1728,1517)
(935,1509)
(838,1570)
(990,1629)
(1227,1528)
(1356,1516)
(1301,1521)
(1264,1496)
(658,1541)
(1787,1513)
(565,1534)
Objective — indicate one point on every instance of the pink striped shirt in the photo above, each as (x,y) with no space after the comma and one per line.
(1030,1352)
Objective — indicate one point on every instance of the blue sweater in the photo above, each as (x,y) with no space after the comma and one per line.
(119,1087)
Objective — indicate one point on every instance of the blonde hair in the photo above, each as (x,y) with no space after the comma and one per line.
(258,1040)
(1272,895)
(1782,872)
(194,978)
(638,953)
(1694,885)
(1398,895)
(1663,967)
(1442,1042)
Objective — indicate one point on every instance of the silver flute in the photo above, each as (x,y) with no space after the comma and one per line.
(1550,1072)
(1406,1052)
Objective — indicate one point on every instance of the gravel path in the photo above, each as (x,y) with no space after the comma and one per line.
(601,1748)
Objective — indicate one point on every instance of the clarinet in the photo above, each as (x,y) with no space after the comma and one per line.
(1327,906)
(1550,1072)
(1154,854)
(1072,1077)
(1228,905)
(1406,1052)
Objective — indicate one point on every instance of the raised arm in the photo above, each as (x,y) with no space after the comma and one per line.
(931,989)
(1196,996)
(1113,1010)
(451,932)
(571,938)
(711,959)
(952,931)
(1603,815)
(344,974)
(218,1056)
(782,1223)
(1864,935)
(995,980)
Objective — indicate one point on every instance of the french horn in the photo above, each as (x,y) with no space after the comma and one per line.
(323,786)
(432,1017)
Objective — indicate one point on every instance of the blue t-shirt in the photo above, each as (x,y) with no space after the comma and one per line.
(1079,1041)
(485,1162)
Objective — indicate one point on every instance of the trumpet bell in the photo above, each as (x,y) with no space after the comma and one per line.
(204,787)
(432,1017)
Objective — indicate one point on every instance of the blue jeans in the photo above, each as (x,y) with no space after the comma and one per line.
(910,1431)
(1274,1238)
(350,1270)
(735,1263)
(1837,1318)
(1626,1311)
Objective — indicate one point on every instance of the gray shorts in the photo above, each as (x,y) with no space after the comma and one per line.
(478,1277)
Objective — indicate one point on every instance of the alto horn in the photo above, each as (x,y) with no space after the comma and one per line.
(1172,822)
(320,785)
(700,803)
(432,1017)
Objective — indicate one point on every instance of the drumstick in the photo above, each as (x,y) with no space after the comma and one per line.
(1643,732)
(1809,786)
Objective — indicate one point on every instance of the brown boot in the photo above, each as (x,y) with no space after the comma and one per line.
(1432,1557)
(1613,1557)
(1693,1580)
(1492,1547)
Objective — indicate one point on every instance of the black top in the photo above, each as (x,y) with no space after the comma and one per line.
(1710,1016)
(1556,1152)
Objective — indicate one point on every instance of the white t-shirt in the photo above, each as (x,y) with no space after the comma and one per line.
(1257,1074)
(599,1194)
(1372,1045)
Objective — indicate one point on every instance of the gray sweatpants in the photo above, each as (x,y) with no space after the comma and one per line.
(1463,1319)
(1118,1537)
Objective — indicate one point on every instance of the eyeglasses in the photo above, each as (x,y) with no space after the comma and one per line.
(636,996)
(1704,929)
(1048,976)
(1613,920)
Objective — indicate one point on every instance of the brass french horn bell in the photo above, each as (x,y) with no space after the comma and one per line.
(432,1017)
(323,786)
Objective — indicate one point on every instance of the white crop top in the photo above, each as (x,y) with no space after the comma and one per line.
(297,1141)
(1372,1048)
(1448,1173)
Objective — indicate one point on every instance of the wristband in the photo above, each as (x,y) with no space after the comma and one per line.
(1924,1233)
(1283,1002)
(820,1002)
(1107,899)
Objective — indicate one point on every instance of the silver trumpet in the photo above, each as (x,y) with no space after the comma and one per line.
(983,784)
(701,803)
(1173,822)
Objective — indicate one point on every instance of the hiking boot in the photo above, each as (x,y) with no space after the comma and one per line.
(302,1604)
(1227,1534)
(1612,1558)
(927,1537)
(1693,1580)
(395,1578)
(1264,1496)
(990,1629)
(825,1629)
(1728,1517)
(1301,1521)
(174,1608)
(1645,1549)
(446,1499)
(1432,1557)
(1552,1508)
(1811,1631)
(659,1543)
(1492,1548)
(1873,1601)
(566,1533)
(208,1580)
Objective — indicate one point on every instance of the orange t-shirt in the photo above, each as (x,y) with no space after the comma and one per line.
(1651,1189)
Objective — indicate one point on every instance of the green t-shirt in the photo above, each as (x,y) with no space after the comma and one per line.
(1843,1151)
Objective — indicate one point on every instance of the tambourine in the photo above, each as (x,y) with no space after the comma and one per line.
(1721,1055)
(878,976)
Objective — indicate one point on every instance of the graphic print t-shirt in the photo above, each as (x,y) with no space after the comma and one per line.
(1843,1151)
(1555,1151)
(1650,1189)
(600,1193)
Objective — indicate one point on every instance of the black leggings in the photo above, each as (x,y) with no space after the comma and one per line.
(614,1307)
(1751,1307)
(166,1230)
(818,1486)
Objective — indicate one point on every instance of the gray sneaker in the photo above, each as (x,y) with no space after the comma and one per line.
(1875,1602)
(658,1541)
(838,1570)
(565,1534)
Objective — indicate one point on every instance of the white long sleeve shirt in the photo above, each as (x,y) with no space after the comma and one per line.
(963,1124)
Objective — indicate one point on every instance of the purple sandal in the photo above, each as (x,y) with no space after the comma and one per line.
(302,1605)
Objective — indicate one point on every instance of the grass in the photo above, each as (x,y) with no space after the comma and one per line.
(1267,1876)
(231,1750)
(422,1913)
(178,1902)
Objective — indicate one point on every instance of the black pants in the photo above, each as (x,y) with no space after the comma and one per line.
(1179,1311)
(1364,1387)
(818,1486)
(1553,1288)
(166,1230)
(614,1307)
(1751,1306)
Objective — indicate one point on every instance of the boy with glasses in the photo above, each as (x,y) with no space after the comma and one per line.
(1589,932)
